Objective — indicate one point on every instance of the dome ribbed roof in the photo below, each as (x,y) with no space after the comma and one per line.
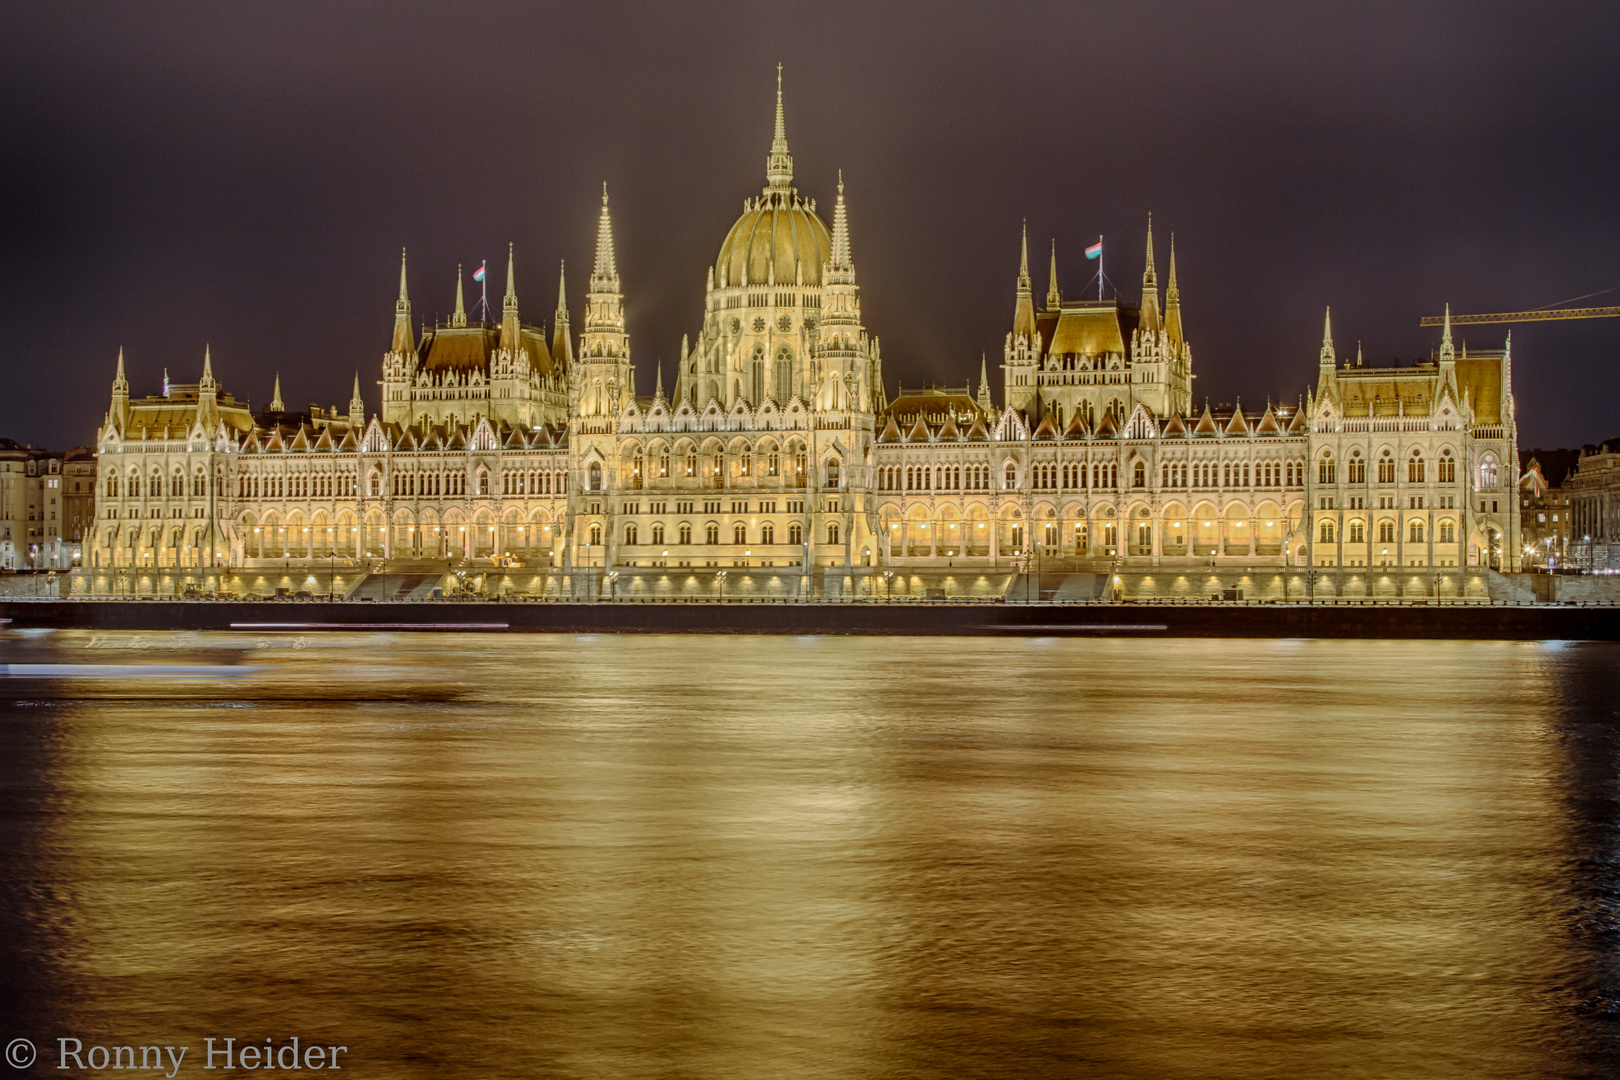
(778,230)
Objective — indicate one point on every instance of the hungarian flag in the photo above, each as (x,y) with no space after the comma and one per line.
(478,274)
(1094,251)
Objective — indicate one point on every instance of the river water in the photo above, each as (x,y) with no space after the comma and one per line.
(640,856)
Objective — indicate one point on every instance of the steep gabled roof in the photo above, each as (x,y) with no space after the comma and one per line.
(1106,428)
(1077,427)
(1206,424)
(1239,424)
(978,432)
(890,432)
(919,432)
(1174,426)
(949,432)
(1046,429)
(1268,423)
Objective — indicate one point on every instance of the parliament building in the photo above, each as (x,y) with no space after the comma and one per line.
(778,459)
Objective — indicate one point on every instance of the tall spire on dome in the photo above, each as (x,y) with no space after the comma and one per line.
(779,166)
(459,318)
(1054,299)
(275,396)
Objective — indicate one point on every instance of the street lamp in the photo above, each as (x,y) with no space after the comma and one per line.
(888,581)
(720,576)
(612,579)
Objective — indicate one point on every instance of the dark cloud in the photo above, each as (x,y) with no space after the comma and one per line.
(245,175)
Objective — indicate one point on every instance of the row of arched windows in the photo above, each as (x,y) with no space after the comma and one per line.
(1417,468)
(1355,532)
(711,534)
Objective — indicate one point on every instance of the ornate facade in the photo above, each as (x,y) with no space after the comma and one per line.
(779,447)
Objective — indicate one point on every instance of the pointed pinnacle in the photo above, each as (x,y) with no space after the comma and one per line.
(120,362)
(1174,293)
(605,265)
(562,290)
(1148,273)
(208,366)
(459,317)
(1053,297)
(404,298)
(1023,258)
(511,278)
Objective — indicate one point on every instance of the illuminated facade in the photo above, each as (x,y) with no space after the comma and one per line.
(779,447)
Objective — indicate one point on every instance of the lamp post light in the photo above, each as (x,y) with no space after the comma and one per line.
(612,581)
(888,581)
(720,577)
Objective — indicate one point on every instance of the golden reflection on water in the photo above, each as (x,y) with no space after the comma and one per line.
(824,857)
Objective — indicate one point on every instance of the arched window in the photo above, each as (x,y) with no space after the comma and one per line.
(767,533)
(593,477)
(1358,532)
(1386,532)
(1326,470)
(658,533)
(1415,469)
(376,485)
(685,533)
(483,482)
(1448,468)
(636,470)
(795,533)
(745,463)
(1386,468)
(630,536)
(1325,533)
(663,462)
(711,533)
(739,533)
(691,462)
(1487,473)
(596,536)
(1414,534)
(1448,532)
(1139,475)
(832,532)
(1358,468)
(112,486)
(832,472)
(1010,479)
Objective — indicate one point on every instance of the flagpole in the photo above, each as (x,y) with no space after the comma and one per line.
(1099,267)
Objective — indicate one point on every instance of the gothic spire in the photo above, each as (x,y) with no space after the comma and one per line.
(509,305)
(1327,339)
(1150,287)
(1172,294)
(357,404)
(1024,283)
(275,397)
(779,166)
(658,390)
(118,379)
(1172,300)
(402,306)
(1054,299)
(404,336)
(841,258)
(457,319)
(984,385)
(208,369)
(1447,350)
(562,350)
(606,267)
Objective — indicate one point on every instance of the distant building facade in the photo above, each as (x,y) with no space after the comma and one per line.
(47,506)
(1594,508)
(779,446)
(1544,508)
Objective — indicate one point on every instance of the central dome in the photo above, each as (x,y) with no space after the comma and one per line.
(778,237)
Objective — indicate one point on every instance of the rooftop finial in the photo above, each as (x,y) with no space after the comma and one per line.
(1149,276)
(459,318)
(779,166)
(1327,338)
(119,378)
(1447,350)
(275,396)
(1172,294)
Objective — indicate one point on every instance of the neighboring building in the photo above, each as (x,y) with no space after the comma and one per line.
(1544,507)
(1594,508)
(780,448)
(47,504)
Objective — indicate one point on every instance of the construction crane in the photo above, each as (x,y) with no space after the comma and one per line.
(1541,314)
(1525,316)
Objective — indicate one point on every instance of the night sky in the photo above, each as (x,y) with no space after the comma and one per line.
(245,175)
